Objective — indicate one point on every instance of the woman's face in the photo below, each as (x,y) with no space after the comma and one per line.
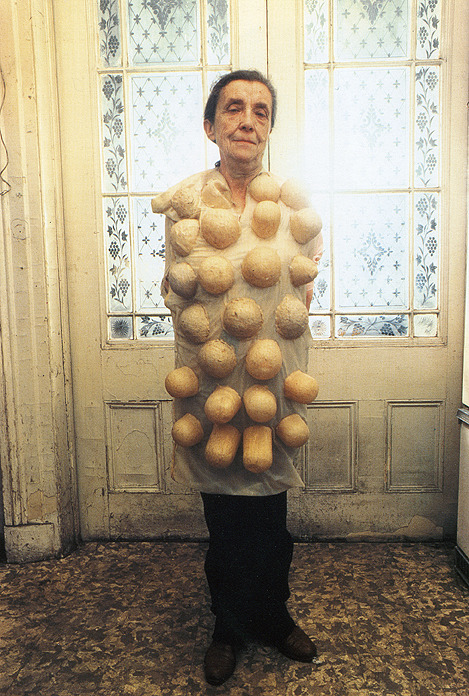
(242,124)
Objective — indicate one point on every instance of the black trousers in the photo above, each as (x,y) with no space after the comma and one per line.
(247,565)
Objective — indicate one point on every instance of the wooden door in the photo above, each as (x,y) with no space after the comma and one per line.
(382,456)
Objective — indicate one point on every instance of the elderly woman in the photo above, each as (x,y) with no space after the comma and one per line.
(241,254)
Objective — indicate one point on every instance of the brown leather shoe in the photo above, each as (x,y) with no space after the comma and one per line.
(219,663)
(298,646)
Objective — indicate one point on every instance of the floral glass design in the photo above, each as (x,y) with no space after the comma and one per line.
(426,251)
(316,31)
(426,325)
(149,255)
(371,29)
(428,29)
(372,326)
(156,65)
(164,110)
(320,326)
(163,32)
(373,143)
(118,255)
(218,32)
(321,299)
(110,46)
(155,327)
(371,104)
(113,152)
(427,81)
(372,251)
(120,328)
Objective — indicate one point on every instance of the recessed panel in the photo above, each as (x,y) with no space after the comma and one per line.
(415,446)
(134,447)
(331,450)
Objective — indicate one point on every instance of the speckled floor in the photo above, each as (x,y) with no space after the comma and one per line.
(133,618)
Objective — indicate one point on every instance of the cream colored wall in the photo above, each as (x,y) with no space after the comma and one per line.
(36,420)
(36,432)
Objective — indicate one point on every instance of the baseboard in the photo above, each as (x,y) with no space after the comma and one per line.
(462,564)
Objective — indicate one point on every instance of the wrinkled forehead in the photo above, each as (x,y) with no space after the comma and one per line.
(245,91)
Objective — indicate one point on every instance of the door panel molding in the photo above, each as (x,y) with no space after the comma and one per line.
(415,438)
(331,452)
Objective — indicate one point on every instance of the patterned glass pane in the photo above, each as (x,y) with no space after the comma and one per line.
(121,328)
(367,29)
(316,154)
(163,32)
(116,224)
(428,28)
(316,18)
(155,327)
(378,326)
(371,128)
(322,285)
(114,158)
(149,255)
(320,326)
(427,126)
(109,33)
(426,325)
(372,251)
(166,125)
(426,251)
(218,32)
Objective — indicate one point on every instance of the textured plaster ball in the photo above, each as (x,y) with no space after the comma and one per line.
(293,431)
(257,448)
(216,194)
(161,202)
(222,445)
(220,228)
(261,267)
(216,274)
(183,236)
(300,387)
(291,317)
(194,323)
(302,270)
(294,194)
(187,431)
(222,405)
(266,219)
(264,359)
(182,382)
(242,318)
(217,358)
(260,403)
(183,280)
(186,203)
(305,224)
(264,188)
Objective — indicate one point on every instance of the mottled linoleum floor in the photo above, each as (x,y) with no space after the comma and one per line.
(133,618)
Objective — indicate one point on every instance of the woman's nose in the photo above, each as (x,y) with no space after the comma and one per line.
(247,120)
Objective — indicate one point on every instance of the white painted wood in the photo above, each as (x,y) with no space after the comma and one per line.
(368,374)
(36,426)
(376,374)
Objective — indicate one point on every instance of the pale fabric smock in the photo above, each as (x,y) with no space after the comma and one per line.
(189,465)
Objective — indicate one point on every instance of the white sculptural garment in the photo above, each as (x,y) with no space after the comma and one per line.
(210,192)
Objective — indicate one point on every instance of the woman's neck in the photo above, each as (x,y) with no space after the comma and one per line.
(238,182)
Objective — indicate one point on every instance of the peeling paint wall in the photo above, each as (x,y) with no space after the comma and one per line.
(35,423)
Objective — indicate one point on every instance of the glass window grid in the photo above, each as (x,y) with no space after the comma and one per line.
(420,322)
(128,320)
(425,38)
